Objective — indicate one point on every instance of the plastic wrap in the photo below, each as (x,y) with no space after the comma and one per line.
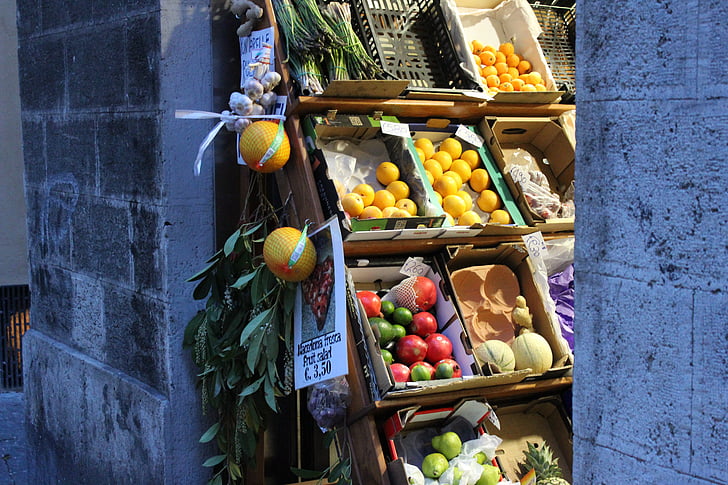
(328,401)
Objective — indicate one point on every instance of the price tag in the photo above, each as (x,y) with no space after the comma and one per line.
(414,267)
(535,244)
(519,175)
(464,133)
(396,129)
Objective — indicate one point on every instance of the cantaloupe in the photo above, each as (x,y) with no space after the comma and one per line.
(498,353)
(532,350)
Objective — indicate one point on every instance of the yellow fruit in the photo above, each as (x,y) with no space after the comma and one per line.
(340,189)
(501,67)
(500,216)
(402,213)
(504,78)
(540,87)
(513,72)
(489,48)
(454,205)
(513,60)
(446,185)
(528,88)
(466,197)
(456,176)
(420,154)
(534,77)
(476,46)
(488,201)
(462,168)
(438,198)
(425,144)
(387,172)
(278,247)
(472,157)
(353,204)
(506,48)
(449,221)
(506,86)
(500,57)
(255,141)
(487,58)
(468,218)
(389,211)
(524,66)
(408,205)
(492,80)
(488,71)
(452,146)
(430,177)
(444,158)
(399,189)
(479,180)
(367,193)
(371,212)
(434,167)
(383,199)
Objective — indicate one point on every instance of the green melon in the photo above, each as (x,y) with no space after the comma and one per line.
(498,353)
(532,351)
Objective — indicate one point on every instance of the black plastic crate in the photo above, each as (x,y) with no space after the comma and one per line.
(558,22)
(411,41)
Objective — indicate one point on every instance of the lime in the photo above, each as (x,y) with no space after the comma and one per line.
(386,332)
(399,331)
(387,356)
(402,316)
(387,309)
(443,371)
(420,373)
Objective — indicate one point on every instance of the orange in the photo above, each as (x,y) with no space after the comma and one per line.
(487,58)
(517,84)
(528,87)
(501,67)
(278,248)
(408,205)
(524,66)
(454,175)
(399,189)
(476,60)
(468,218)
(387,172)
(476,46)
(367,193)
(500,216)
(472,157)
(513,72)
(488,201)
(425,144)
(383,199)
(489,48)
(500,57)
(506,86)
(479,180)
(452,146)
(430,177)
(434,167)
(466,197)
(446,185)
(438,198)
(488,71)
(255,142)
(506,48)
(505,78)
(420,154)
(371,212)
(454,205)
(512,60)
(462,168)
(390,211)
(353,204)
(444,158)
(492,81)
(534,77)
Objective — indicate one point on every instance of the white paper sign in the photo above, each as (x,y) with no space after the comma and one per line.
(464,133)
(319,323)
(414,267)
(257,47)
(396,129)
(535,244)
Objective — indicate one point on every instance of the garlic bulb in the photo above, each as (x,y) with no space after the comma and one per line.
(268,99)
(241,124)
(240,103)
(270,80)
(258,110)
(253,89)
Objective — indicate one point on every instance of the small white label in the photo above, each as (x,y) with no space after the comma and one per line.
(464,133)
(535,244)
(414,267)
(493,418)
(395,129)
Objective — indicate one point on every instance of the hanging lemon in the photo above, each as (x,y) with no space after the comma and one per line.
(264,146)
(289,254)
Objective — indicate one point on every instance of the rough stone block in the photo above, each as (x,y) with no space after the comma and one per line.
(633,356)
(42,89)
(89,422)
(71,154)
(147,258)
(713,34)
(129,161)
(103,10)
(143,52)
(56,14)
(34,152)
(52,314)
(28,20)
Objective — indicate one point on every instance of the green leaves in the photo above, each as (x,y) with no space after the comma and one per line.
(210,433)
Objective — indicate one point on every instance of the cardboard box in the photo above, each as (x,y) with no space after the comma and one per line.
(328,141)
(495,22)
(537,421)
(515,257)
(552,148)
(376,276)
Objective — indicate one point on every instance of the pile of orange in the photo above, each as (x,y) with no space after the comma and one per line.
(503,69)
(392,200)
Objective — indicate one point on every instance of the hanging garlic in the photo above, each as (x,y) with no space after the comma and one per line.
(229,120)
(253,89)
(240,103)
(241,124)
(270,80)
(258,110)
(268,99)
(257,70)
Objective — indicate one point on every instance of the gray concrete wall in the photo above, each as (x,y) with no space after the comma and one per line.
(116,222)
(651,372)
(13,243)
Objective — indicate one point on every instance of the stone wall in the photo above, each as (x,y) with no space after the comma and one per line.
(651,375)
(116,222)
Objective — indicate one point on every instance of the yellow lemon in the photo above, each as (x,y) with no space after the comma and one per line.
(500,216)
(367,193)
(468,218)
(425,144)
(488,201)
(399,189)
(438,198)
(479,180)
(434,167)
(466,197)
(420,154)
(371,212)
(389,211)
(387,172)
(430,177)
(383,199)
(353,204)
(408,205)
(456,176)
(472,157)
(446,185)
(462,168)
(452,146)
(454,205)
(444,158)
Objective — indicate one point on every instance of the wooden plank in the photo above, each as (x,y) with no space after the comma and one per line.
(369,464)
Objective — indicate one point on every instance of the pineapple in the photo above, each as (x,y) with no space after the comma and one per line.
(544,464)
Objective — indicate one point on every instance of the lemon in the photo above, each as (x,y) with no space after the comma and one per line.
(425,144)
(389,211)
(466,197)
(367,193)
(430,177)
(371,212)
(468,218)
(452,146)
(500,216)
(462,168)
(444,158)
(434,167)
(446,185)
(456,176)
(383,199)
(387,172)
(488,201)
(353,204)
(407,204)
(420,154)
(479,180)
(454,205)
(472,157)
(399,189)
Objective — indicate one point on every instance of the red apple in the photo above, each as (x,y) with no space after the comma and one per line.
(410,349)
(400,372)
(438,347)
(423,324)
(372,303)
(456,370)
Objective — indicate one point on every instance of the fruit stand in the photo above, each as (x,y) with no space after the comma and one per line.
(435,375)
